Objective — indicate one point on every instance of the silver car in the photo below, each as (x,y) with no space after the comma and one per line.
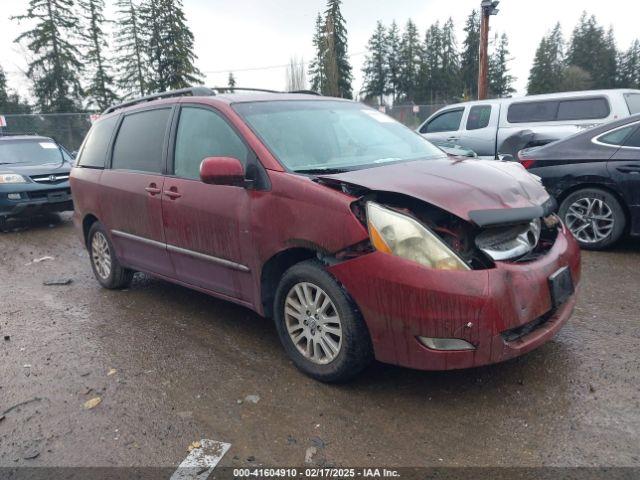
(507,125)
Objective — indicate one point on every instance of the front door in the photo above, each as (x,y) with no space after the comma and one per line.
(624,168)
(444,127)
(130,192)
(205,225)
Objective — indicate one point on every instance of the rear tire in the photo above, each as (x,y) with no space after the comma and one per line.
(326,336)
(594,216)
(106,267)
(3,223)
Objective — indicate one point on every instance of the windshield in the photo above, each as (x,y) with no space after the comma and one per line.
(36,152)
(310,136)
(633,102)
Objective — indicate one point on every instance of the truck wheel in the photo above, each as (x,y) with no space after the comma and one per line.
(106,268)
(594,216)
(319,325)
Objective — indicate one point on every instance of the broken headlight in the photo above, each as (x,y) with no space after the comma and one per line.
(397,234)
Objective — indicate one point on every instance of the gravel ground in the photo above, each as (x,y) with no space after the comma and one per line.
(171,366)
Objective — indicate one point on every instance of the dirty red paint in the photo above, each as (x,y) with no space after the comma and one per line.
(399,299)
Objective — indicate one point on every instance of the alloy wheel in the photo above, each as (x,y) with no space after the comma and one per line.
(101,255)
(590,219)
(313,323)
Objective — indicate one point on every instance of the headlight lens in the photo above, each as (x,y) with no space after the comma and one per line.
(11,178)
(397,234)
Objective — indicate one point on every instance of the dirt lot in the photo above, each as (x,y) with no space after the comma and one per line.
(172,366)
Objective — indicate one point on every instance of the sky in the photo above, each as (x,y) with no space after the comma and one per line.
(256,38)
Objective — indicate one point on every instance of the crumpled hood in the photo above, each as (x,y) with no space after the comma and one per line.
(459,186)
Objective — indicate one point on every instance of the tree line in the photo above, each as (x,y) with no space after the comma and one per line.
(590,60)
(74,65)
(409,68)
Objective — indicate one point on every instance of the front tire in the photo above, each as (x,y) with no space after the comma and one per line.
(594,216)
(106,268)
(319,325)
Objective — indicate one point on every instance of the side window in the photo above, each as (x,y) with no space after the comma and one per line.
(445,122)
(479,117)
(633,102)
(140,141)
(616,137)
(526,112)
(584,109)
(203,133)
(94,151)
(634,139)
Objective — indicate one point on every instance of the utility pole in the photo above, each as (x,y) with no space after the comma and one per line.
(488,8)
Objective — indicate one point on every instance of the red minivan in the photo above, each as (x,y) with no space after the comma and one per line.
(358,237)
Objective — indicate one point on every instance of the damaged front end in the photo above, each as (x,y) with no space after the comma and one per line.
(417,231)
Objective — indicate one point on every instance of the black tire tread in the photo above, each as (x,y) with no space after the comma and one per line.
(120,277)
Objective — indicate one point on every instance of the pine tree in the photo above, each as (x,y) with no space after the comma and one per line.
(4,94)
(500,81)
(450,75)
(629,67)
(593,51)
(55,66)
(317,73)
(470,52)
(231,82)
(132,70)
(546,74)
(376,69)
(100,92)
(410,62)
(430,70)
(170,46)
(393,59)
(337,60)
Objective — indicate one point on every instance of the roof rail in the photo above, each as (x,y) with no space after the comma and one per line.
(192,91)
(306,92)
(243,89)
(4,133)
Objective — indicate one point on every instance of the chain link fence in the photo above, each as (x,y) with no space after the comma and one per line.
(68,129)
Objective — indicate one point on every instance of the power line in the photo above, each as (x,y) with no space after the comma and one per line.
(227,70)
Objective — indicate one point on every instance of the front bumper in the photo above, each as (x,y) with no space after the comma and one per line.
(35,198)
(504,312)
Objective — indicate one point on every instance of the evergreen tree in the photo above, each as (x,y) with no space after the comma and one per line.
(132,70)
(450,87)
(470,52)
(575,78)
(4,94)
(430,69)
(100,92)
(410,62)
(231,82)
(55,65)
(629,67)
(500,81)
(337,60)
(170,46)
(546,74)
(593,51)
(317,73)
(393,59)
(376,68)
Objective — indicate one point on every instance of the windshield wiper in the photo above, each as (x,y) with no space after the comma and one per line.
(322,170)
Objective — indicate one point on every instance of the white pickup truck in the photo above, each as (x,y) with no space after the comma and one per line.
(504,126)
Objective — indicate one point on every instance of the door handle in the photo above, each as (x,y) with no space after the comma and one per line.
(172,193)
(152,189)
(452,139)
(631,169)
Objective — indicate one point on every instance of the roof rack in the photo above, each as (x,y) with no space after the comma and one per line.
(183,92)
(197,92)
(4,133)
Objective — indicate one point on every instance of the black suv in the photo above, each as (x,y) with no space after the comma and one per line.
(34,176)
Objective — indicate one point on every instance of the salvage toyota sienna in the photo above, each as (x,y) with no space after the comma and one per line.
(356,235)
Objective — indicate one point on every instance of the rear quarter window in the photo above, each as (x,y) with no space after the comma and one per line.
(140,140)
(633,102)
(94,151)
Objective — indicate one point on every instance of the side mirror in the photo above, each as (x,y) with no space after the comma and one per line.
(222,171)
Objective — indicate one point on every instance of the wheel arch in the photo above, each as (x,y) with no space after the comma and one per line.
(87,223)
